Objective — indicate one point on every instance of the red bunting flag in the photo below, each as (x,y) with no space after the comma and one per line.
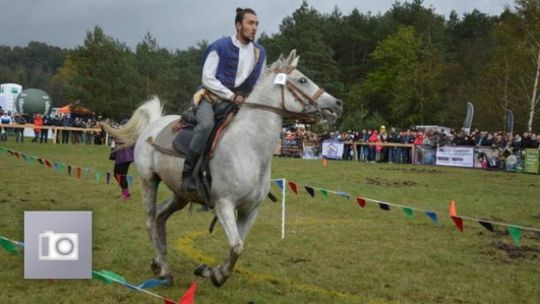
(78,172)
(168,301)
(17,155)
(118,178)
(293,187)
(458,221)
(361,202)
(48,164)
(189,296)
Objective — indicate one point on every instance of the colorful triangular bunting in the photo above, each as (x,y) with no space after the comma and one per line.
(409,212)
(8,246)
(433,216)
(189,295)
(515,233)
(310,191)
(384,206)
(458,221)
(361,202)
(487,225)
(293,187)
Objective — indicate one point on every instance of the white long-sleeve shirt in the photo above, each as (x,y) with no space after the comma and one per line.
(246,64)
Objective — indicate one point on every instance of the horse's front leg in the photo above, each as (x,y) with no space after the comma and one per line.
(226,215)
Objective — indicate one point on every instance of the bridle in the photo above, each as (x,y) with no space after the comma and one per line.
(310,109)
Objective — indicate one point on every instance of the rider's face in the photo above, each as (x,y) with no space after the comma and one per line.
(248,28)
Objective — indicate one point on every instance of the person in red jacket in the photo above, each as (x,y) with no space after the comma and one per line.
(38,123)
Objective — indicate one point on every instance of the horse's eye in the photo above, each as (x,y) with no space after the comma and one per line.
(302,80)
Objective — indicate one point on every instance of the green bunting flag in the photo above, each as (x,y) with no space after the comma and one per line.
(409,212)
(98,176)
(62,166)
(324,192)
(108,276)
(515,232)
(8,246)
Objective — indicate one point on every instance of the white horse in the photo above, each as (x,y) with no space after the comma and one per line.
(241,164)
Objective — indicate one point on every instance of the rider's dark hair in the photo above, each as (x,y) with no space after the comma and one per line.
(240,12)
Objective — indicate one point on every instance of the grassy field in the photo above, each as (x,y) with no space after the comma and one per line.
(334,251)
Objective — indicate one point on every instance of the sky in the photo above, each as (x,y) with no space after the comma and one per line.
(176,24)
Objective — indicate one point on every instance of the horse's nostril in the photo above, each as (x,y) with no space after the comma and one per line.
(338,102)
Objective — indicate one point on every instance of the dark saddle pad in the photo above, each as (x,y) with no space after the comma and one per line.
(176,143)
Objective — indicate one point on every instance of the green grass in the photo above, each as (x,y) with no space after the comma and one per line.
(334,251)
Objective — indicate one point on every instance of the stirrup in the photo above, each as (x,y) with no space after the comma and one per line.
(189,184)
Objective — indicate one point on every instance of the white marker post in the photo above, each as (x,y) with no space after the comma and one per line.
(284,181)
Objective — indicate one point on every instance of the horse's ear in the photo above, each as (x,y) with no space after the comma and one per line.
(275,65)
(291,57)
(294,63)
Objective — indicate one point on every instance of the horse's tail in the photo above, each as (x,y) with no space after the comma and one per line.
(146,114)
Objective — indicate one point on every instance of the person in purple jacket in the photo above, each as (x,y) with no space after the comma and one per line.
(122,159)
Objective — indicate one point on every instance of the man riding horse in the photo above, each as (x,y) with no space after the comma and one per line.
(232,66)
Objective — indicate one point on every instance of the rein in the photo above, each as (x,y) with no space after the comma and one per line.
(299,96)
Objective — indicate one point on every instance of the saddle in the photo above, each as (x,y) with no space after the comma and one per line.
(176,142)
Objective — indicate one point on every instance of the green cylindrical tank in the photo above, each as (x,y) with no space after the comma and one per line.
(32,101)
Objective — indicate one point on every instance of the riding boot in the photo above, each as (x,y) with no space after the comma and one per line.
(189,184)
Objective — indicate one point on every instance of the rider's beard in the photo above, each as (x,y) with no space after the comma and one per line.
(245,35)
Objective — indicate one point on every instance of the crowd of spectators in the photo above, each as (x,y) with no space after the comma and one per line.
(41,135)
(382,145)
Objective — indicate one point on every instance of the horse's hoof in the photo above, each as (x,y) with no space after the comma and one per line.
(217,278)
(155,267)
(203,270)
(169,280)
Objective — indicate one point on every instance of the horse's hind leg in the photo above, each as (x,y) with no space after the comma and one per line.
(149,191)
(165,210)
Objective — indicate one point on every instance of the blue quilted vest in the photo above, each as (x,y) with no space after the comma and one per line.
(228,64)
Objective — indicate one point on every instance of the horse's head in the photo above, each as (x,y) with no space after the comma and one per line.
(298,96)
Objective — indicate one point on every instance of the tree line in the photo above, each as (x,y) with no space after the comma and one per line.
(409,65)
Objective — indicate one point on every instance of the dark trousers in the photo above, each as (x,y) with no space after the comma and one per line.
(3,134)
(121,171)
(19,134)
(44,136)
(205,124)
(36,136)
(65,136)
